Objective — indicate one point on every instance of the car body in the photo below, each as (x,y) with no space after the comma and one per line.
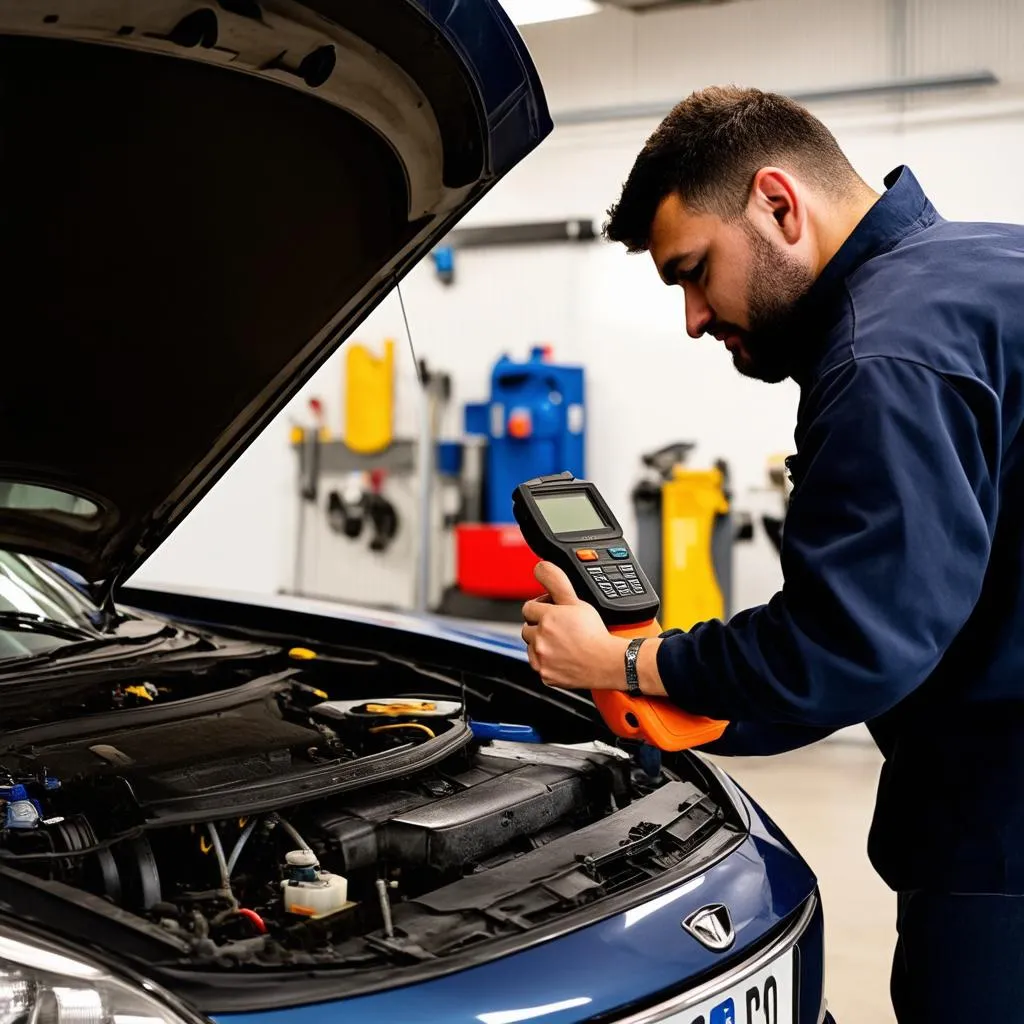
(418,829)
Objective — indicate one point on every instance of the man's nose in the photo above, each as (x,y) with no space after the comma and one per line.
(698,313)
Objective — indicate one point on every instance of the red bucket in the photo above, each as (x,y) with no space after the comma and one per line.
(494,562)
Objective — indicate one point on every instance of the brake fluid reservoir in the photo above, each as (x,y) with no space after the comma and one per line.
(310,892)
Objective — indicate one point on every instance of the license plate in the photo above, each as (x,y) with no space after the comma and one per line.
(766,997)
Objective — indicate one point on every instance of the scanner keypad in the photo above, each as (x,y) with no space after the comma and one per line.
(615,578)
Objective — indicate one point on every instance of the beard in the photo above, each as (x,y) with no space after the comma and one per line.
(776,283)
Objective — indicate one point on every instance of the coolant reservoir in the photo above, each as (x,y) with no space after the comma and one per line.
(310,892)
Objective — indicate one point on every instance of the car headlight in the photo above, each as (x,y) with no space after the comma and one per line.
(41,986)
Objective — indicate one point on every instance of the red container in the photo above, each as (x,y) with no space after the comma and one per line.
(494,562)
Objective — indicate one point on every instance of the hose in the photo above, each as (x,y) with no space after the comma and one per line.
(257,922)
(405,725)
(222,864)
(240,845)
(83,851)
(303,845)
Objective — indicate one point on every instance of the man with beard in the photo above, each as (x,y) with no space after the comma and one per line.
(903,603)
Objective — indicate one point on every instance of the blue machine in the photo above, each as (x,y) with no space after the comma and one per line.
(534,423)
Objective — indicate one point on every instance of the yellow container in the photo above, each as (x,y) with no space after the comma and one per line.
(690,503)
(369,398)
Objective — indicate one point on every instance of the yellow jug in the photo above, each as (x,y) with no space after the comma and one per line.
(369,398)
(690,592)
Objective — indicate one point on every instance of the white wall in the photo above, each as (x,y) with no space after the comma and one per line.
(648,383)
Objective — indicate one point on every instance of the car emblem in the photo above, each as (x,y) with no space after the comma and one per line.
(712,927)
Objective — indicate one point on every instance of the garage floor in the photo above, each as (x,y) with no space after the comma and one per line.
(822,797)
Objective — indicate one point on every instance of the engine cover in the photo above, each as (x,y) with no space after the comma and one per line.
(446,822)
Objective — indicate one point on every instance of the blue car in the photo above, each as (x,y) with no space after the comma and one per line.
(271,810)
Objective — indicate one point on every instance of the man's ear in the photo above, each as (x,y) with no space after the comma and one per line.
(775,195)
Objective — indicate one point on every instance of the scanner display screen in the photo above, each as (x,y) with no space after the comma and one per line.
(570,513)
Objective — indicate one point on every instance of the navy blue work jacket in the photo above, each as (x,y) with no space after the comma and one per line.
(903,601)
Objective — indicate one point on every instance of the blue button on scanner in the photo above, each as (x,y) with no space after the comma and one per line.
(619,552)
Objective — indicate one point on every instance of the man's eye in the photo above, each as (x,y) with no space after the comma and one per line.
(695,274)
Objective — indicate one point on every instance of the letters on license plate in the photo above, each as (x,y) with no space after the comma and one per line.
(765,997)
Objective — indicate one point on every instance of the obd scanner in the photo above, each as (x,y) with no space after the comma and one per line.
(567,522)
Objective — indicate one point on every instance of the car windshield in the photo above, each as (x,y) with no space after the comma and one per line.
(40,609)
(33,498)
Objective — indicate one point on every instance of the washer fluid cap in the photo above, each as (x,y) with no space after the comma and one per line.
(504,731)
(301,859)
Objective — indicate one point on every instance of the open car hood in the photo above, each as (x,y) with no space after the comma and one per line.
(201,200)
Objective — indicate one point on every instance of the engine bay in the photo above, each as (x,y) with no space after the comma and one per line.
(289,820)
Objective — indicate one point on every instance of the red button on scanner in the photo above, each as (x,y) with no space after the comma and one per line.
(586,554)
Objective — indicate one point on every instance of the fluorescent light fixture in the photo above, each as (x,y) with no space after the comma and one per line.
(528,12)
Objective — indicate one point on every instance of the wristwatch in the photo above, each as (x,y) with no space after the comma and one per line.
(632,679)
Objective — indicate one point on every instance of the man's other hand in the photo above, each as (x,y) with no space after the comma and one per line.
(567,643)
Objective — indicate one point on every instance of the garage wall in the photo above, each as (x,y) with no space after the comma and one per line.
(648,383)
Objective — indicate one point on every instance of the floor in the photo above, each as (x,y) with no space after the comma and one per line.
(822,798)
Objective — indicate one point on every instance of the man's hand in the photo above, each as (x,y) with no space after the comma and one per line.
(568,644)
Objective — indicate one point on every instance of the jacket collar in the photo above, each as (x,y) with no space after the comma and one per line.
(900,211)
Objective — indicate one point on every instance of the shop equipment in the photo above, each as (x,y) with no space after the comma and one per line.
(532,425)
(370,504)
(369,398)
(686,533)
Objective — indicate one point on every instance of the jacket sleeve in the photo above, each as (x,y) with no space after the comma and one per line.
(759,739)
(885,548)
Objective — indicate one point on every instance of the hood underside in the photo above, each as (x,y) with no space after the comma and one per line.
(200,204)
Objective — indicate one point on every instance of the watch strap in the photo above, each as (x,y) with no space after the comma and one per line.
(632,677)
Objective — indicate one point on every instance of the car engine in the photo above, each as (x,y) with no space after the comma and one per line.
(273,822)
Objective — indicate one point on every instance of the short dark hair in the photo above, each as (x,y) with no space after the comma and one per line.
(709,149)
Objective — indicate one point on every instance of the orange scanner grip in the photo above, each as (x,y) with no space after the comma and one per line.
(653,719)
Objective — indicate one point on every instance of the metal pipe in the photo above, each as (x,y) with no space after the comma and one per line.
(425,456)
(898,39)
(385,906)
(425,471)
(932,83)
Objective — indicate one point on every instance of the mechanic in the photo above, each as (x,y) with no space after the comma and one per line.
(903,602)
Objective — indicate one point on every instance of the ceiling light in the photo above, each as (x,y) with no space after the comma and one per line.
(527,12)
